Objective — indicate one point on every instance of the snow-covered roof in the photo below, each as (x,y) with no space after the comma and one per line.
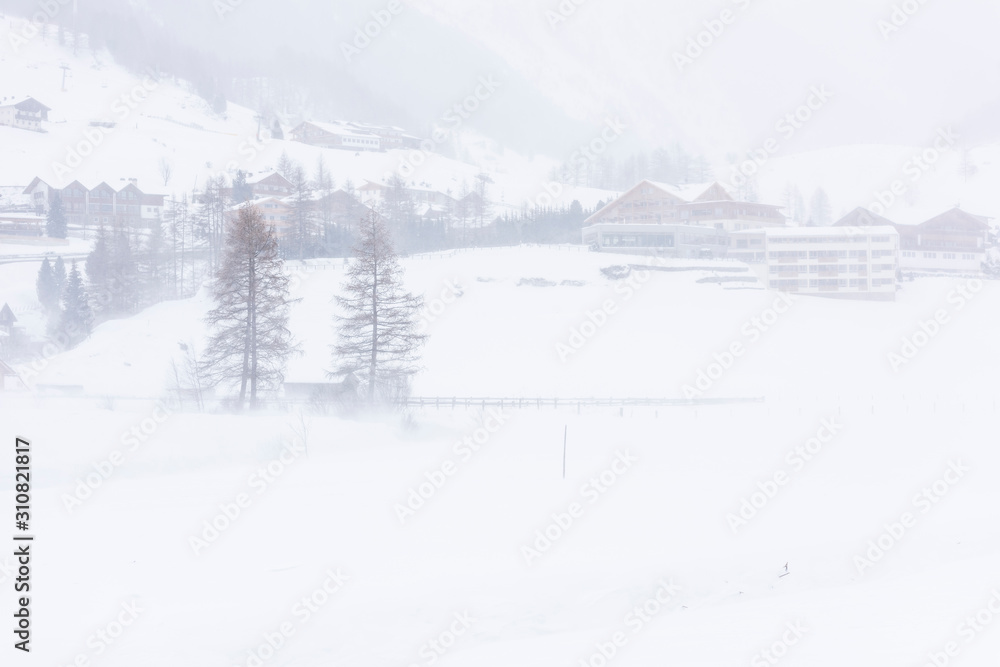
(16,101)
(262,177)
(957,216)
(373,126)
(91,184)
(342,129)
(6,314)
(863,216)
(689,192)
(256,201)
(829,231)
(316,195)
(424,208)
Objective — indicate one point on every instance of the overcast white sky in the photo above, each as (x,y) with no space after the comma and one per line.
(941,67)
(616,58)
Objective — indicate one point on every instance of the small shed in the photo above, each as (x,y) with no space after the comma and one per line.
(7,319)
(339,388)
(10,380)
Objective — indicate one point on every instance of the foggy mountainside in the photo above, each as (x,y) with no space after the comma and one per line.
(535,332)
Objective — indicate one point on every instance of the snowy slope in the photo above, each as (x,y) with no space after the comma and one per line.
(163,120)
(224,542)
(665,516)
(663,322)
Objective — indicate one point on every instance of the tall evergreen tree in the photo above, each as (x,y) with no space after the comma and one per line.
(154,269)
(125,276)
(250,341)
(47,288)
(77,317)
(377,337)
(59,272)
(794,204)
(177,219)
(700,170)
(820,211)
(323,186)
(241,191)
(463,207)
(482,202)
(303,213)
(113,274)
(55,221)
(967,168)
(348,216)
(286,165)
(213,216)
(99,270)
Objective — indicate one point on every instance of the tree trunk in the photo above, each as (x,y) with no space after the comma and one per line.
(253,357)
(374,362)
(248,337)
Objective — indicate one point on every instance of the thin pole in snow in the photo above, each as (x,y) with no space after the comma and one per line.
(565,434)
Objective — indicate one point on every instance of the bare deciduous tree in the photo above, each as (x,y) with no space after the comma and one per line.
(482,200)
(378,341)
(303,212)
(250,342)
(212,217)
(188,376)
(166,170)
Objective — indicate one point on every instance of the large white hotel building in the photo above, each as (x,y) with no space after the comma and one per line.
(844,262)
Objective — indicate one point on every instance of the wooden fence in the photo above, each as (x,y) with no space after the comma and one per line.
(538,402)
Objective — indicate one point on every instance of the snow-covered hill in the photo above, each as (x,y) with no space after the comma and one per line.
(162,120)
(523,324)
(159,120)
(425,526)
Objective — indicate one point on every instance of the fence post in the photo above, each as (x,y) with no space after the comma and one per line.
(565,435)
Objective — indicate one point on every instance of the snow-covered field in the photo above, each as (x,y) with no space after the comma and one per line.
(828,498)
(429,521)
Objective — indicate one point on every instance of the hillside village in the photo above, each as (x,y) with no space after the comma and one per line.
(500,333)
(138,241)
